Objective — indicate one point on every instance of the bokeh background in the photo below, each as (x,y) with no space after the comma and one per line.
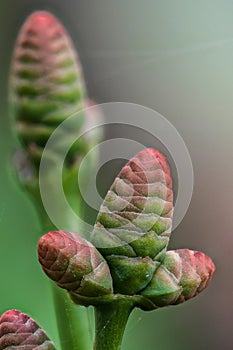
(177,58)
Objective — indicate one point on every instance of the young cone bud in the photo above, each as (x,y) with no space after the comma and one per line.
(19,331)
(183,274)
(196,273)
(74,264)
(46,84)
(136,215)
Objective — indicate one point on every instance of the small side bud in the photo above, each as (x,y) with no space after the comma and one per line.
(196,273)
(183,274)
(74,264)
(19,331)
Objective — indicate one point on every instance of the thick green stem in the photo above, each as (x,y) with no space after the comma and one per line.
(72,322)
(111,320)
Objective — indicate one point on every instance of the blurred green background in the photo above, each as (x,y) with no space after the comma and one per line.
(177,58)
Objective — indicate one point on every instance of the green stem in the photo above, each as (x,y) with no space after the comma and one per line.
(72,322)
(111,320)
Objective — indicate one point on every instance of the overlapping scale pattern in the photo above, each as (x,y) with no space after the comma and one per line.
(46,84)
(136,215)
(20,332)
(74,264)
(182,275)
(132,233)
(134,222)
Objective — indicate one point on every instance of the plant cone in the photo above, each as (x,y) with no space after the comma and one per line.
(133,226)
(19,331)
(183,274)
(46,88)
(74,264)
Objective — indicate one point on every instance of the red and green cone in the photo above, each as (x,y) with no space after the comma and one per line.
(132,233)
(182,275)
(133,226)
(46,87)
(74,264)
(19,331)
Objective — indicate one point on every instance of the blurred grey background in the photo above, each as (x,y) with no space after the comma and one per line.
(175,57)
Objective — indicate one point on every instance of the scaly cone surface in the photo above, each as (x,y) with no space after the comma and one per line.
(136,215)
(46,83)
(134,223)
(132,235)
(182,275)
(74,264)
(20,332)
